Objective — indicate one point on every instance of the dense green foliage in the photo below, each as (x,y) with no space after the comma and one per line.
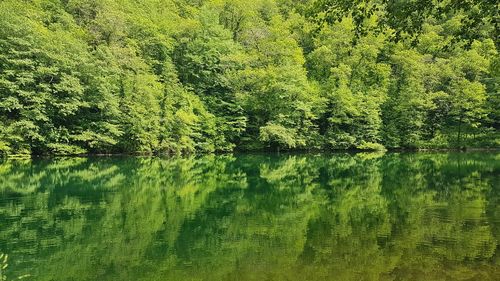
(178,76)
(369,216)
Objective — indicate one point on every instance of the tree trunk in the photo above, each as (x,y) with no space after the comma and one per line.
(459,135)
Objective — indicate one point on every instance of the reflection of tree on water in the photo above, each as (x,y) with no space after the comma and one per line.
(252,217)
(400,228)
(4,266)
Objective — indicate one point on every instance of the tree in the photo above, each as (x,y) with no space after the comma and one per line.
(407,18)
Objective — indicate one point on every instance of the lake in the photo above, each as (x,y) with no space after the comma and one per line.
(393,216)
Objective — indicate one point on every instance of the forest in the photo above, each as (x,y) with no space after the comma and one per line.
(186,76)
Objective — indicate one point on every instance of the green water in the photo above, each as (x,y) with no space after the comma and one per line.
(412,216)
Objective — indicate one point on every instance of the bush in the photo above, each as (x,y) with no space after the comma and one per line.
(370,146)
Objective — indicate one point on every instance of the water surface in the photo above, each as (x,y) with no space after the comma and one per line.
(410,216)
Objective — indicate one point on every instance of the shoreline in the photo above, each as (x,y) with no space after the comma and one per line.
(312,151)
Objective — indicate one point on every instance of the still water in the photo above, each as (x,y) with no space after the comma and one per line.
(408,216)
